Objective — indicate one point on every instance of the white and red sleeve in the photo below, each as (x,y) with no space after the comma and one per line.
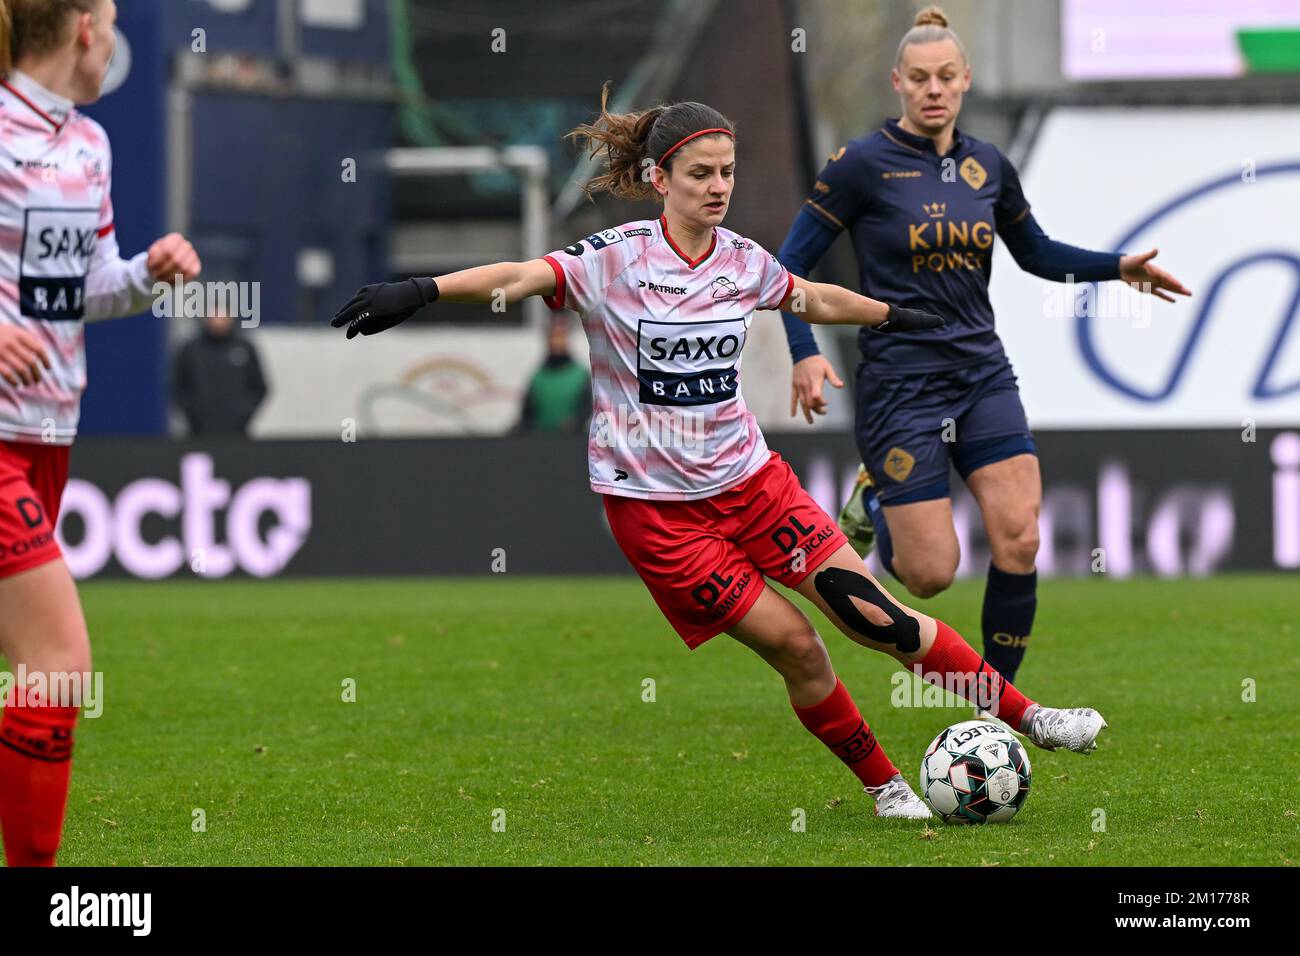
(586,269)
(115,287)
(776,282)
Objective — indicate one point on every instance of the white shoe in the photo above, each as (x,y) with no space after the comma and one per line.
(1075,729)
(896,799)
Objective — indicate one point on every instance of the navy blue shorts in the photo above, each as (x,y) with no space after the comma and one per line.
(910,427)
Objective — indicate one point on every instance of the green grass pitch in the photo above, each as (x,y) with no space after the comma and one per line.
(525,696)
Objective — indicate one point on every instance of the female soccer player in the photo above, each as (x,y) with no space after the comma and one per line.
(922,201)
(699,505)
(59,266)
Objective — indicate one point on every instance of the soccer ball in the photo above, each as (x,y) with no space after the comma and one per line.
(975,772)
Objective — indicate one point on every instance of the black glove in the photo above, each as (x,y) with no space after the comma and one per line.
(909,320)
(378,307)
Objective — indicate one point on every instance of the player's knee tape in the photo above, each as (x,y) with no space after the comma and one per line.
(838,586)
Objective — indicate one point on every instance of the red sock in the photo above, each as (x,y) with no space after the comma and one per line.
(35,768)
(837,723)
(950,654)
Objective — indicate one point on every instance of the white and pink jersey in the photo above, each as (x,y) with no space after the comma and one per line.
(59,262)
(666,333)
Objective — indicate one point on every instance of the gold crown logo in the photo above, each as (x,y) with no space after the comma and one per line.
(935,210)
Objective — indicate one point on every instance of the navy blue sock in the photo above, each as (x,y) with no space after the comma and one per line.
(1010,601)
(884,544)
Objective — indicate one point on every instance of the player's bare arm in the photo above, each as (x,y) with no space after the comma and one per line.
(383,305)
(820,303)
(514,280)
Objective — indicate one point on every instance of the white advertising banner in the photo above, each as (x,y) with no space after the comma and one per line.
(405,382)
(1218,192)
(459,380)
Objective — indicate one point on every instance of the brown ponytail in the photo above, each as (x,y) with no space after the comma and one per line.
(635,142)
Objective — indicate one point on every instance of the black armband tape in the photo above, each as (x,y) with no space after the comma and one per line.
(838,585)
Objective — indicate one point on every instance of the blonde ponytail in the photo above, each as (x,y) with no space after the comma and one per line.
(930,26)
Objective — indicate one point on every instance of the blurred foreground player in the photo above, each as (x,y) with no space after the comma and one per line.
(59,267)
(699,505)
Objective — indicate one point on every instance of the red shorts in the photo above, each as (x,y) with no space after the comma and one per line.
(32,477)
(704,561)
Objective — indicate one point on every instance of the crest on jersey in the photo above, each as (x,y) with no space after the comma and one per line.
(724,288)
(689,363)
(898,464)
(92,165)
(972,172)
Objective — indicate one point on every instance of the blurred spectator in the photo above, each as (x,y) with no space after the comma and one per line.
(558,398)
(217,379)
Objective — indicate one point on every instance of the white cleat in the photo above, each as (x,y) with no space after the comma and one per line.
(896,799)
(1075,729)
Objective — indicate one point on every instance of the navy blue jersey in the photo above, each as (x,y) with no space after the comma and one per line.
(922,227)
